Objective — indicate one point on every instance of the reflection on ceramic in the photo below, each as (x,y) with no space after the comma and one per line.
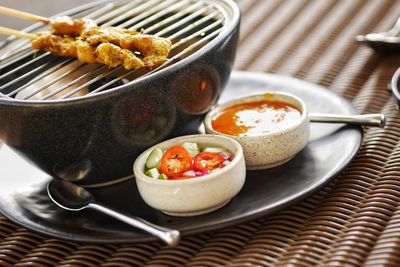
(272,148)
(193,196)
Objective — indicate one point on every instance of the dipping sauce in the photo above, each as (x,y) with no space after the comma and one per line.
(256,118)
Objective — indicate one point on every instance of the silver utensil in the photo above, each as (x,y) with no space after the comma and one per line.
(383,41)
(367,119)
(75,198)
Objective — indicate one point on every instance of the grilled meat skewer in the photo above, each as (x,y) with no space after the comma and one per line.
(133,40)
(68,26)
(83,39)
(105,53)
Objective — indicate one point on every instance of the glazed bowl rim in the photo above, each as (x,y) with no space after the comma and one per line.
(227,30)
(248,98)
(395,85)
(139,162)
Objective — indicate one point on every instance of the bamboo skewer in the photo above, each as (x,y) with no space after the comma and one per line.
(8,31)
(22,14)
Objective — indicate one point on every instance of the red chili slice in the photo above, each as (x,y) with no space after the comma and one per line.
(208,161)
(175,161)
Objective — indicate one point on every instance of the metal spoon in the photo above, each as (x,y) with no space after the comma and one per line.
(383,41)
(367,119)
(73,197)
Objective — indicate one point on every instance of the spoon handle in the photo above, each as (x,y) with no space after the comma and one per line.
(169,236)
(395,30)
(367,119)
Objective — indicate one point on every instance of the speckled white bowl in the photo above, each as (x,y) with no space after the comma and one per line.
(193,196)
(274,148)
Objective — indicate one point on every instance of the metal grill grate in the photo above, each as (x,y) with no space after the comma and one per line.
(30,75)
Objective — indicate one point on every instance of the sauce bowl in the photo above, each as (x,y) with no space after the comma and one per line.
(270,149)
(198,195)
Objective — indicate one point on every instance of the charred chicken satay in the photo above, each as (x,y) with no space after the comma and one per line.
(157,48)
(64,46)
(105,53)
(115,56)
(83,39)
(87,30)
(98,35)
(154,49)
(108,45)
(148,45)
(68,26)
(85,52)
(154,61)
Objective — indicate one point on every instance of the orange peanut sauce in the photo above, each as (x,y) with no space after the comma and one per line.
(256,118)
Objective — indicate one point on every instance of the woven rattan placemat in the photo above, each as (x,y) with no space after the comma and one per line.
(353,221)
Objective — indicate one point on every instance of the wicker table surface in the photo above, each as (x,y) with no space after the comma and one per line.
(353,221)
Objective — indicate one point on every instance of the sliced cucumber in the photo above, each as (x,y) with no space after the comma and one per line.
(215,149)
(162,176)
(153,173)
(154,159)
(192,148)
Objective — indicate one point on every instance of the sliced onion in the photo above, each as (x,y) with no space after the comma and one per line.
(189,173)
(225,154)
(226,162)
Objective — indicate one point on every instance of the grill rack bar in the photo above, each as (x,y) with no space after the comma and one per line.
(116,12)
(181,22)
(53,81)
(182,13)
(22,66)
(131,72)
(140,23)
(187,11)
(145,16)
(66,86)
(27,74)
(177,15)
(40,76)
(214,34)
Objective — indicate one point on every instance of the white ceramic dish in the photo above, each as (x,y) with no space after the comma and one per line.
(273,148)
(279,146)
(193,196)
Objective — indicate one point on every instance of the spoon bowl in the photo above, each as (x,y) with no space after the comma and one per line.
(69,196)
(75,198)
(383,41)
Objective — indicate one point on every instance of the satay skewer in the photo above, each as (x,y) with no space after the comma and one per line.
(60,25)
(20,34)
(103,52)
(68,46)
(22,14)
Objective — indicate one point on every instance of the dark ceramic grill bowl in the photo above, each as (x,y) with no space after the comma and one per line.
(95,139)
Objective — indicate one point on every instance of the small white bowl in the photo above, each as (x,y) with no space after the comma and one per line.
(193,196)
(270,149)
